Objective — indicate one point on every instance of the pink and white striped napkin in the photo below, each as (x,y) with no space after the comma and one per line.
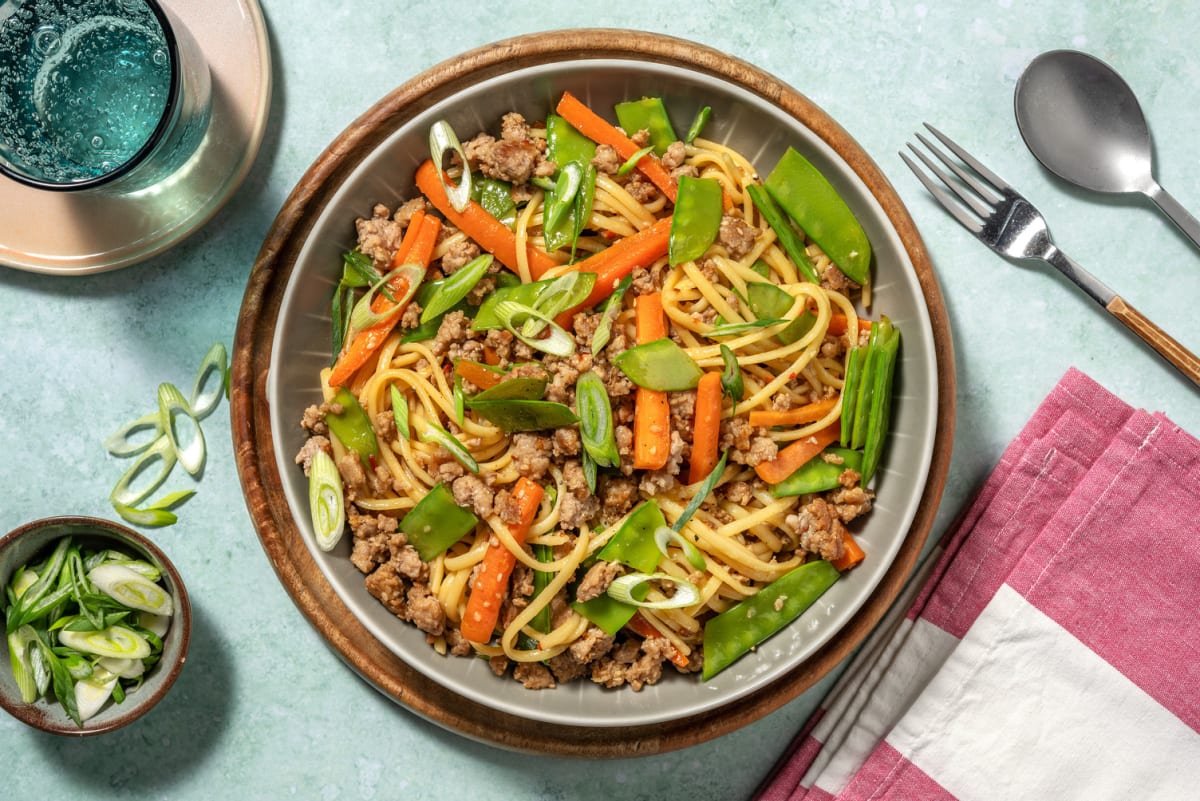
(1050,646)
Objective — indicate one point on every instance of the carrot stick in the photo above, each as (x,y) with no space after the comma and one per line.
(410,236)
(477,373)
(419,251)
(614,263)
(651,410)
(808,413)
(474,221)
(706,431)
(599,130)
(788,460)
(639,625)
(852,555)
(483,604)
(838,323)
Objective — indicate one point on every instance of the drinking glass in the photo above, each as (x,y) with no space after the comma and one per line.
(102,95)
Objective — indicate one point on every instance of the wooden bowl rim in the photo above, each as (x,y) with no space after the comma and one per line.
(250,411)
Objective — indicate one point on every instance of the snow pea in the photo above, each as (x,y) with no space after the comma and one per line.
(809,199)
(527,295)
(660,365)
(647,114)
(697,219)
(736,631)
(818,475)
(352,427)
(496,198)
(512,416)
(769,301)
(522,388)
(789,238)
(881,398)
(633,545)
(570,209)
(436,522)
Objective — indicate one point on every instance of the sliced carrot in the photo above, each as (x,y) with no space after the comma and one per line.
(651,410)
(418,251)
(601,131)
(706,430)
(808,413)
(838,323)
(614,263)
(478,374)
(410,236)
(644,628)
(474,221)
(852,555)
(789,460)
(487,596)
(490,356)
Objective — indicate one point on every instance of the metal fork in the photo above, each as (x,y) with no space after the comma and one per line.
(1010,225)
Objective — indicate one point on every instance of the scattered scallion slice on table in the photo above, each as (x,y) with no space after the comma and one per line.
(188,444)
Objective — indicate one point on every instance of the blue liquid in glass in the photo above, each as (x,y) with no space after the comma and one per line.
(84,86)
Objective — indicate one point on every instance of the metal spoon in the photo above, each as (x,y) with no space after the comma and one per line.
(1083,123)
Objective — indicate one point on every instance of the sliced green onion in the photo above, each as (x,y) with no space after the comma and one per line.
(457,286)
(732,383)
(358,270)
(160,450)
(174,408)
(590,470)
(570,178)
(326,501)
(735,329)
(155,624)
(362,316)
(664,535)
(21,645)
(48,576)
(622,589)
(131,589)
(168,501)
(698,124)
(121,441)
(596,420)
(565,292)
(612,307)
(150,518)
(703,491)
(400,412)
(205,398)
(432,432)
(23,580)
(92,694)
(441,139)
(125,668)
(118,641)
(633,160)
(79,667)
(514,315)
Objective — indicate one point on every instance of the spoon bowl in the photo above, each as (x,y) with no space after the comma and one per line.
(1082,121)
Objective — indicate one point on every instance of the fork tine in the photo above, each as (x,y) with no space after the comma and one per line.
(995,180)
(943,197)
(975,191)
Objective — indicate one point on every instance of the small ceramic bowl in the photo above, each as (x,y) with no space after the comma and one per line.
(28,543)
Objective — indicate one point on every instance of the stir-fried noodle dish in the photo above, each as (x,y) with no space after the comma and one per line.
(601,401)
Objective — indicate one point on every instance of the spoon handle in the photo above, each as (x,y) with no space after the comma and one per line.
(1175,210)
(1179,356)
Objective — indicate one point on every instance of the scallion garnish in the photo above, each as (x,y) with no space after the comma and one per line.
(162,451)
(209,385)
(457,286)
(363,316)
(623,587)
(736,329)
(400,412)
(570,178)
(514,315)
(664,535)
(131,589)
(702,492)
(118,641)
(596,420)
(326,501)
(698,124)
(175,409)
(122,443)
(632,161)
(441,139)
(612,307)
(732,383)
(433,432)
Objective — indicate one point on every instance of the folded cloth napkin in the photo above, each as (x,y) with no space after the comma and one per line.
(1049,648)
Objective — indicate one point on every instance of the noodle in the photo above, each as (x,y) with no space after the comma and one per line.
(746,537)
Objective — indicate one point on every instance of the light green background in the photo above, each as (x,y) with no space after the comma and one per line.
(264,709)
